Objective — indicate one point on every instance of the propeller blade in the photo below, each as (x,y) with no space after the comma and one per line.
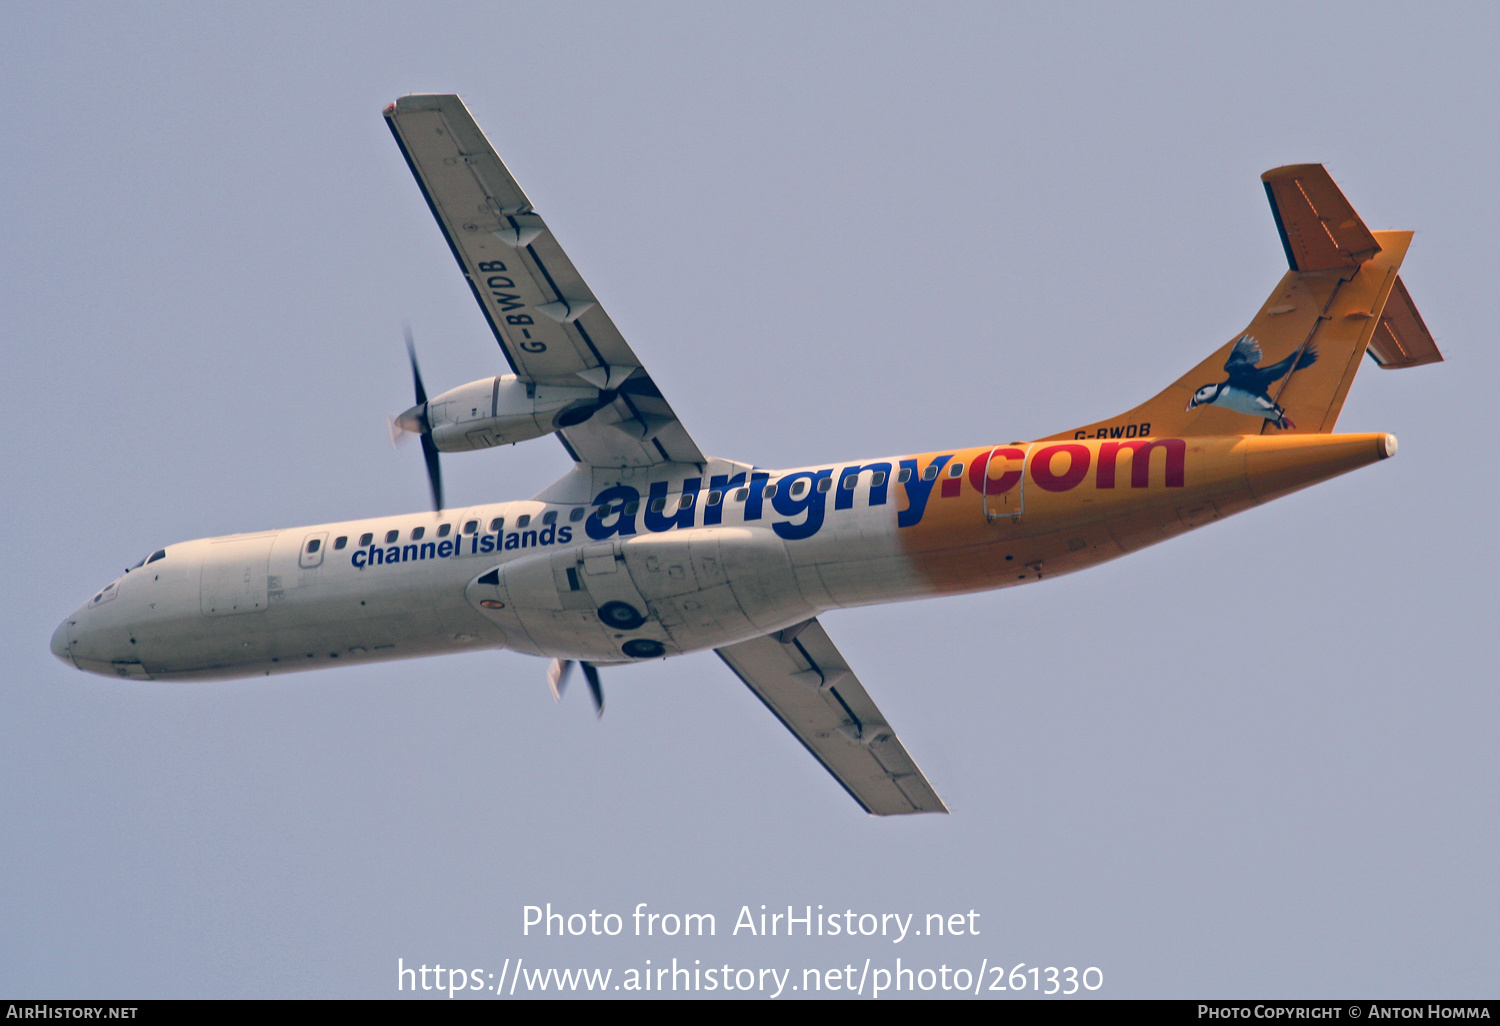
(591,674)
(416,419)
(557,677)
(434,471)
(416,375)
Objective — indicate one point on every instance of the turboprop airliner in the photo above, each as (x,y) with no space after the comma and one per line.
(647,548)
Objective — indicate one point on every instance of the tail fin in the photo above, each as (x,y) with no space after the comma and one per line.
(1291,369)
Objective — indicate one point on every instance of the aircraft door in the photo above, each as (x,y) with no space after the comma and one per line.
(1000,478)
(312,550)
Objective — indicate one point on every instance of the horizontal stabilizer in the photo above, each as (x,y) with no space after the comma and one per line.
(1319,229)
(1402,340)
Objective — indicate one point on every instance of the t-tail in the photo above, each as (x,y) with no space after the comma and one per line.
(1290,370)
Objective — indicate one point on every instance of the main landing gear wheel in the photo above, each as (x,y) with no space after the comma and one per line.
(621,616)
(643,648)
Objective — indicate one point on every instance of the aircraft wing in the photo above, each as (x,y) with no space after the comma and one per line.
(548,324)
(801,677)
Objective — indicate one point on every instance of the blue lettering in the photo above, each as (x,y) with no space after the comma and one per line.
(565,534)
(844,496)
(512,541)
(528,538)
(548,535)
(358,559)
(755,503)
(393,554)
(427,551)
(487,544)
(666,520)
(611,503)
(918,491)
(507,301)
(812,503)
(720,483)
(444,550)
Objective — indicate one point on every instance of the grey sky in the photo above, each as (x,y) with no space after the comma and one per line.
(1259,759)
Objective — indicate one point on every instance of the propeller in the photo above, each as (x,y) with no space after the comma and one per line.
(414,421)
(557,679)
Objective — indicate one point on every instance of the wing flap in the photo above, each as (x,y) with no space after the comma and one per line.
(807,684)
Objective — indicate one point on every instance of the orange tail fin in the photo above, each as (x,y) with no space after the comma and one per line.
(1291,369)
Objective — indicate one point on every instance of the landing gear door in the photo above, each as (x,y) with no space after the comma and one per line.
(604,576)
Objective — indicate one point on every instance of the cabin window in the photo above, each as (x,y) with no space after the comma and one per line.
(549,517)
(686,501)
(825,483)
(523,520)
(444,529)
(417,533)
(850,482)
(799,488)
(576,515)
(340,541)
(365,539)
(930,474)
(770,491)
(471,527)
(955,470)
(314,545)
(904,476)
(878,478)
(391,536)
(657,505)
(632,508)
(498,524)
(741,494)
(714,498)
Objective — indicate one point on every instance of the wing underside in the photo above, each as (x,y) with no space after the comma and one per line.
(550,327)
(805,682)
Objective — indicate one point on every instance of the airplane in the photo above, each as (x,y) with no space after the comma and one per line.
(647,548)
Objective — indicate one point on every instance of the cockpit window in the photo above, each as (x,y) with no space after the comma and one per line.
(158,554)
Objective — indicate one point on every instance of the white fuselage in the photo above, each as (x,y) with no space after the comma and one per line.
(701,577)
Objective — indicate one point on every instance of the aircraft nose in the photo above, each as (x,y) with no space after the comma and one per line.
(60,643)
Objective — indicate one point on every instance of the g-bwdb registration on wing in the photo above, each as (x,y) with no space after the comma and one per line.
(549,325)
(555,334)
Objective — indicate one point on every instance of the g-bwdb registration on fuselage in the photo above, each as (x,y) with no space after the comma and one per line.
(648,548)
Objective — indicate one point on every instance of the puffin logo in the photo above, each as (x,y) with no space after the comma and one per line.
(1246,390)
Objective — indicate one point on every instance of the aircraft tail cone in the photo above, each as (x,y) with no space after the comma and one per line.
(1277,465)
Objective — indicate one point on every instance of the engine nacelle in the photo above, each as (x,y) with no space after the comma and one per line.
(502,410)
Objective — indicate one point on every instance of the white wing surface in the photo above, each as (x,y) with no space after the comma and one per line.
(801,677)
(549,325)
